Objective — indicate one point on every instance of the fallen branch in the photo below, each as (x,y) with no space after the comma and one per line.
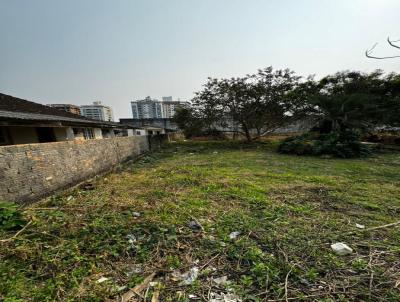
(16,234)
(137,289)
(383,226)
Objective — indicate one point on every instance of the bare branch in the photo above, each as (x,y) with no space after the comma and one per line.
(368,52)
(391,43)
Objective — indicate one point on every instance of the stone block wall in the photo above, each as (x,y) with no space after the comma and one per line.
(29,172)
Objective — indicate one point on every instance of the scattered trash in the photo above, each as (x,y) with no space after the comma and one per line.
(215,152)
(135,269)
(195,226)
(191,153)
(136,214)
(360,226)
(221,280)
(188,277)
(49,178)
(121,288)
(223,244)
(131,240)
(234,235)
(154,283)
(69,197)
(102,279)
(341,248)
(222,297)
(191,296)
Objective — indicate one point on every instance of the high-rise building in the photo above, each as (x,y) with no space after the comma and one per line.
(97,111)
(146,109)
(152,108)
(67,107)
(169,107)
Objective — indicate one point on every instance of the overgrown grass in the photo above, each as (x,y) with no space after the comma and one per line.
(287,209)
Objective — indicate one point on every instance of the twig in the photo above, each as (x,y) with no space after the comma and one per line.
(156,295)
(286,284)
(383,226)
(137,289)
(19,232)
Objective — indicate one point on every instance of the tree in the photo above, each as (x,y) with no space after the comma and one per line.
(351,100)
(189,121)
(258,104)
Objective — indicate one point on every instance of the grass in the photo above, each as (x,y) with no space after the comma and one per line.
(287,209)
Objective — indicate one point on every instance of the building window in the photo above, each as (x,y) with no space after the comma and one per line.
(137,132)
(88,133)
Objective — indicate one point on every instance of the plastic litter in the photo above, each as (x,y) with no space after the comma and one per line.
(341,248)
(360,226)
(234,235)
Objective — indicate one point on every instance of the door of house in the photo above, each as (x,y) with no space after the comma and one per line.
(45,134)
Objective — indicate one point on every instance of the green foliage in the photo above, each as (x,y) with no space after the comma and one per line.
(10,217)
(344,145)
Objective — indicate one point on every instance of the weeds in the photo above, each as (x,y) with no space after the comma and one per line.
(287,209)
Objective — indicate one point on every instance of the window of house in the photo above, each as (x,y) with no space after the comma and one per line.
(150,132)
(88,133)
(137,132)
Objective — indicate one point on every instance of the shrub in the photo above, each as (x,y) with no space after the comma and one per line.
(10,217)
(345,144)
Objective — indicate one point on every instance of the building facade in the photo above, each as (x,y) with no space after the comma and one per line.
(154,109)
(97,111)
(146,108)
(169,108)
(67,107)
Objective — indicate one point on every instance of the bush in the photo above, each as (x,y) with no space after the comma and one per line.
(344,144)
(10,217)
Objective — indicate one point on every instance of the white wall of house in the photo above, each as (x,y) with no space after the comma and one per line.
(63,134)
(97,133)
(130,132)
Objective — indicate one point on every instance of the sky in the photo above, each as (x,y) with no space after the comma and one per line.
(80,51)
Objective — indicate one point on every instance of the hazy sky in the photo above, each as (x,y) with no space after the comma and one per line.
(78,51)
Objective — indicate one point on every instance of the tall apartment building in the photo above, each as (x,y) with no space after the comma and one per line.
(169,107)
(67,107)
(152,108)
(147,108)
(97,111)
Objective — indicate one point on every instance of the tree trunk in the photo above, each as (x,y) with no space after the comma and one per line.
(246,132)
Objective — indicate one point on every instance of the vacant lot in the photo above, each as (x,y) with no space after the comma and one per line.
(174,211)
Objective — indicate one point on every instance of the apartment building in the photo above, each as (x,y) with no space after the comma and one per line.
(97,111)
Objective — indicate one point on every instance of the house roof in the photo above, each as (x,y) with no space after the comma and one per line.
(12,108)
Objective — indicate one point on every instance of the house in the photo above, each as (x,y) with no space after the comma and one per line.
(149,131)
(26,122)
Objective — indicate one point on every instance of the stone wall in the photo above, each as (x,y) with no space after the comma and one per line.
(29,172)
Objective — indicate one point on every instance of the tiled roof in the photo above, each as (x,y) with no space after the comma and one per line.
(15,108)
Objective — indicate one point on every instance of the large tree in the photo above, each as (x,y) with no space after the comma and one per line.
(253,105)
(355,100)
